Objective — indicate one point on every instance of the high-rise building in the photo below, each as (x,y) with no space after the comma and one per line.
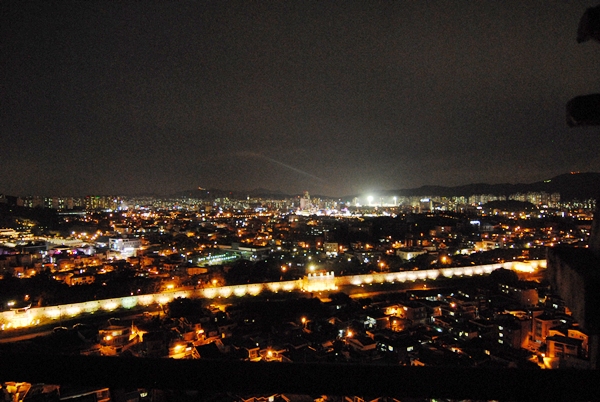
(305,203)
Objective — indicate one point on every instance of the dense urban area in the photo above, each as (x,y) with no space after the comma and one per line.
(121,280)
(59,251)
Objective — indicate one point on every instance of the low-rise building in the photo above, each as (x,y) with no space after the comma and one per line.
(541,326)
(80,279)
(407,254)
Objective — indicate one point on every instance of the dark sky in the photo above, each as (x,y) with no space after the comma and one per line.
(332,97)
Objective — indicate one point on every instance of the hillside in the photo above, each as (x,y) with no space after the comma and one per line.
(570,186)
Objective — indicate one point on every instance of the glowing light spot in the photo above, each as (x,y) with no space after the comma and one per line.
(184,294)
(145,300)
(225,291)
(129,302)
(433,274)
(73,311)
(90,307)
(523,267)
(111,305)
(210,293)
(163,299)
(254,289)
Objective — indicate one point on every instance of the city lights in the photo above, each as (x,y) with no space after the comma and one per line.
(315,282)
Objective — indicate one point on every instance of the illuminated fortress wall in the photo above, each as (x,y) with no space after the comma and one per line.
(44,315)
(310,283)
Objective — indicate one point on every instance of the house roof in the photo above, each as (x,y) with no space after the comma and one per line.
(563,339)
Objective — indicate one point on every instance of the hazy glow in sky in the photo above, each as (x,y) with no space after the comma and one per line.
(336,99)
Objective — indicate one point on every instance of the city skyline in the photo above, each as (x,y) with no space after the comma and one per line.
(126,98)
(574,186)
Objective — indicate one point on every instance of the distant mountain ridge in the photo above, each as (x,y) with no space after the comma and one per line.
(570,186)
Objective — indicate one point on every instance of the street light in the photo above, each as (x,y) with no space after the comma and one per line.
(349,334)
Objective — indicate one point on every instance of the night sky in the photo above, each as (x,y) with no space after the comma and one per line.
(336,98)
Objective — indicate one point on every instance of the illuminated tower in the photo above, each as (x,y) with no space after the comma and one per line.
(305,202)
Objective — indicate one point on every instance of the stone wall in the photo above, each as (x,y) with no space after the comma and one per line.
(314,282)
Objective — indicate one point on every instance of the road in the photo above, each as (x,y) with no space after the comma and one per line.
(24,337)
